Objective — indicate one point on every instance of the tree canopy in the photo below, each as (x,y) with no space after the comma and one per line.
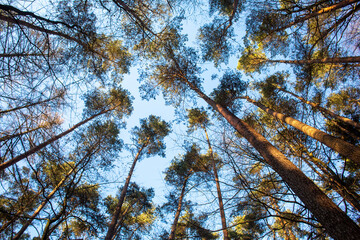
(248,112)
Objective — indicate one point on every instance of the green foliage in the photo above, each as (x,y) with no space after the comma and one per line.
(261,27)
(215,44)
(247,227)
(191,226)
(110,56)
(151,134)
(225,7)
(346,101)
(183,167)
(252,60)
(97,101)
(231,87)
(198,118)
(268,87)
(138,212)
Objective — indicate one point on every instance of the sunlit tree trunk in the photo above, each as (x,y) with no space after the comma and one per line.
(344,148)
(218,190)
(178,211)
(111,229)
(42,205)
(321,109)
(333,219)
(48,142)
(328,9)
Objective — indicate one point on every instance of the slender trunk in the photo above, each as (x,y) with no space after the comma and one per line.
(344,148)
(334,220)
(10,55)
(218,189)
(40,29)
(17,214)
(178,210)
(287,231)
(111,229)
(323,110)
(322,60)
(335,26)
(328,175)
(42,205)
(30,104)
(46,143)
(122,216)
(7,137)
(317,13)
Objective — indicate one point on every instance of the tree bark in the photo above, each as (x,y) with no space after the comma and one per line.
(31,104)
(334,220)
(178,211)
(321,109)
(46,143)
(218,190)
(42,205)
(111,229)
(331,8)
(355,59)
(328,175)
(344,148)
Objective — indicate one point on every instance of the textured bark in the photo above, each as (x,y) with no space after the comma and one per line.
(178,211)
(327,174)
(344,148)
(337,224)
(112,226)
(318,13)
(321,109)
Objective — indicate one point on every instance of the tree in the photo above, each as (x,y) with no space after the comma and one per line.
(148,139)
(65,179)
(179,174)
(180,70)
(199,119)
(344,148)
(98,104)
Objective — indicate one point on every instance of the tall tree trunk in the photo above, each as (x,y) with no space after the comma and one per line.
(17,214)
(331,8)
(334,220)
(40,29)
(327,175)
(31,104)
(344,148)
(48,142)
(321,60)
(218,189)
(178,210)
(321,109)
(42,205)
(111,229)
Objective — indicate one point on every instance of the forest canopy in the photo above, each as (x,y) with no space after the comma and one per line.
(167,119)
